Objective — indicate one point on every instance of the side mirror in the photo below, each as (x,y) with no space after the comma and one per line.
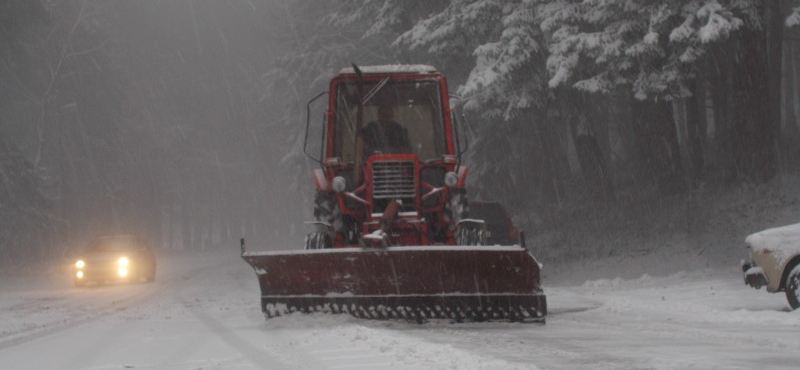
(460,126)
(308,124)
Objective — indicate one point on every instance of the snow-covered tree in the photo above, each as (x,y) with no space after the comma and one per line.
(506,49)
(26,213)
(508,74)
(651,47)
(793,19)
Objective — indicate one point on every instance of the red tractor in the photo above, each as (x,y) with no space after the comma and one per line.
(393,236)
(370,191)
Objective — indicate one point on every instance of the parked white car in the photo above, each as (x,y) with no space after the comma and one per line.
(775,261)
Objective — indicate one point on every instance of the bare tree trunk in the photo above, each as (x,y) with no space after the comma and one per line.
(775,16)
(550,184)
(699,124)
(790,112)
(586,133)
(680,116)
(795,66)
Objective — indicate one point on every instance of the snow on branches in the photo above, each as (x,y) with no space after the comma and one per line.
(506,43)
(523,48)
(598,45)
(719,22)
(793,19)
(457,27)
(502,75)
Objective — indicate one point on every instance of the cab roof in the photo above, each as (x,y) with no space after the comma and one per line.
(390,68)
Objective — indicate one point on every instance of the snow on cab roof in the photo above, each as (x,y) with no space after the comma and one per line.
(391,68)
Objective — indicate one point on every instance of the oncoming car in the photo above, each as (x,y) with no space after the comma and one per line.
(775,261)
(115,259)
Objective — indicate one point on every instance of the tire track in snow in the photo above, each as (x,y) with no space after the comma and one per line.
(273,350)
(66,324)
(148,292)
(251,353)
(259,357)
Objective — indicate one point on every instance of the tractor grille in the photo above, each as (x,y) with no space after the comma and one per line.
(393,180)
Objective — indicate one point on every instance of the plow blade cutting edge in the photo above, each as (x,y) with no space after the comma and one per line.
(461,283)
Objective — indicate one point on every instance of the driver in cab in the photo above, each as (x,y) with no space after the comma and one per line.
(385,135)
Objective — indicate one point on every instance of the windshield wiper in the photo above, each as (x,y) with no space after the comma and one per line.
(374,90)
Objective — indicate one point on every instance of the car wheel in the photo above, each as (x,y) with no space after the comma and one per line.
(792,285)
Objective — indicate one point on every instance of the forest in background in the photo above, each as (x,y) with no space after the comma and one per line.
(184,120)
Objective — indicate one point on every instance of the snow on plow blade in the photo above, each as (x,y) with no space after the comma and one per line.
(462,283)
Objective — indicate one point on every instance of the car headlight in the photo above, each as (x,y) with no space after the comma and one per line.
(79,274)
(122,266)
(80,264)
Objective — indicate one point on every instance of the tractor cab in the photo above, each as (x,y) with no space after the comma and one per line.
(417,102)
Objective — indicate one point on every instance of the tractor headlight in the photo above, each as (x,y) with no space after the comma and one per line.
(79,274)
(451,179)
(123,262)
(339,184)
(80,264)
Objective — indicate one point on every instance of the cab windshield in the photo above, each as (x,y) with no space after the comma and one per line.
(414,105)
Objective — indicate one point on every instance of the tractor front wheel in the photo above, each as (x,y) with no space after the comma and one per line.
(326,210)
(457,207)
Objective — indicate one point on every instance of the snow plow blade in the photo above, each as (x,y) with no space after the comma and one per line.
(461,283)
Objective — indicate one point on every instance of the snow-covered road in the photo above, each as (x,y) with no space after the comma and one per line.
(202,313)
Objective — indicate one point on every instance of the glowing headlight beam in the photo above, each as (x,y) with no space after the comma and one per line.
(80,264)
(123,261)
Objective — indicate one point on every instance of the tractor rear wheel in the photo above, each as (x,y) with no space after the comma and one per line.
(469,235)
(318,240)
